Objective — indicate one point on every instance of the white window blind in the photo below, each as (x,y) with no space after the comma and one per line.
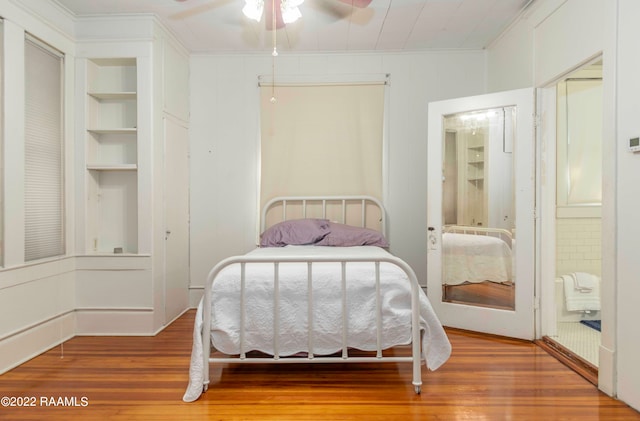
(322,139)
(44,234)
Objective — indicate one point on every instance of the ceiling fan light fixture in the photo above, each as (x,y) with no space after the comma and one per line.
(289,8)
(290,11)
(253,9)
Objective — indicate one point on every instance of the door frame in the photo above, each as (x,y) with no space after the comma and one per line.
(546,319)
(546,316)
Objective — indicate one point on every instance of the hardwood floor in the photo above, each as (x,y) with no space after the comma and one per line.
(144,378)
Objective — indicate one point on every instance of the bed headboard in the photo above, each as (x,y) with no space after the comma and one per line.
(362,211)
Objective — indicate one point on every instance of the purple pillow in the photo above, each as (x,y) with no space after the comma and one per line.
(342,235)
(295,232)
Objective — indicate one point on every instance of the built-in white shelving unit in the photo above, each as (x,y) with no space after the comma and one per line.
(111,148)
(132,184)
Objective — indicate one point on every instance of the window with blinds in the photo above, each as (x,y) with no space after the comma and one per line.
(44,195)
(323,139)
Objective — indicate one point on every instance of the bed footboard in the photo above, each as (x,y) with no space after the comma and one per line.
(311,357)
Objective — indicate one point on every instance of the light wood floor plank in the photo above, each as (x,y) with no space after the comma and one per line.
(144,378)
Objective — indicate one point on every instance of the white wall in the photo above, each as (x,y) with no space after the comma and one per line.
(555,37)
(550,39)
(224,142)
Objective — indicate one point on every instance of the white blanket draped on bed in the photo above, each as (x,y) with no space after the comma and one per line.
(475,258)
(327,315)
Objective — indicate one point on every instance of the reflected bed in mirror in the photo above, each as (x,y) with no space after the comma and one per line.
(478,266)
(478,208)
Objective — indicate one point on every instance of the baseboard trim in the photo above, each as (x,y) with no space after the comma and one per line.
(115,322)
(606,371)
(31,342)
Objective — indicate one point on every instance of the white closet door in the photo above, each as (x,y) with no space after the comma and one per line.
(176,202)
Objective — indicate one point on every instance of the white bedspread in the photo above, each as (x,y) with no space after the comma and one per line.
(327,306)
(475,258)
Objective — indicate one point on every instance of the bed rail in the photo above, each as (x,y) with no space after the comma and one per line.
(245,260)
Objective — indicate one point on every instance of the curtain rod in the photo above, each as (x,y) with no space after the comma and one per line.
(319,84)
(325,80)
(579,79)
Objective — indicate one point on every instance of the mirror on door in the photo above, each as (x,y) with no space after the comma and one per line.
(478,237)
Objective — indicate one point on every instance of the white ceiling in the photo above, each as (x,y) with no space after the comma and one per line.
(326,25)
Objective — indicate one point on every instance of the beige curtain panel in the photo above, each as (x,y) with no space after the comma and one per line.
(321,140)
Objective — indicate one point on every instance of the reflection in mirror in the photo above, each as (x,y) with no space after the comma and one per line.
(478,236)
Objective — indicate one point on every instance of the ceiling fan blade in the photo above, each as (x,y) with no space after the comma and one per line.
(362,16)
(336,10)
(199,9)
(361,4)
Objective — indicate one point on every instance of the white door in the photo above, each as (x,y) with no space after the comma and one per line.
(482,160)
(176,204)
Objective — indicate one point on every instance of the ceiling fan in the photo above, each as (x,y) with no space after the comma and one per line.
(286,11)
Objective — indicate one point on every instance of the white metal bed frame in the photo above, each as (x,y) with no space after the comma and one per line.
(245,260)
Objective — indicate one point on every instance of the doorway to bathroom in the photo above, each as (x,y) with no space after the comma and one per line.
(571,268)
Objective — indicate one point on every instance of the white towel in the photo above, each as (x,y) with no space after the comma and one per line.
(584,282)
(581,300)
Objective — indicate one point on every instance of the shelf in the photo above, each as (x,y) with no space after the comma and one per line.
(113,95)
(476,148)
(123,130)
(476,162)
(474,179)
(112,167)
